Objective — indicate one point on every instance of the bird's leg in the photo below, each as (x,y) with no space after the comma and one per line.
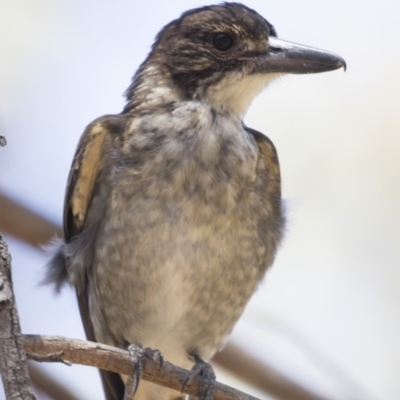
(205,370)
(137,352)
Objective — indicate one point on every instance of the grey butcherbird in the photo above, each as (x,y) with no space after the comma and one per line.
(173,207)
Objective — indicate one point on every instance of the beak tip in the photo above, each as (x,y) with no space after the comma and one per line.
(332,63)
(342,63)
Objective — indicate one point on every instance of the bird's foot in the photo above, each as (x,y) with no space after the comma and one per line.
(137,354)
(205,370)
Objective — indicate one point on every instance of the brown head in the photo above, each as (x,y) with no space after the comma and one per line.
(225,54)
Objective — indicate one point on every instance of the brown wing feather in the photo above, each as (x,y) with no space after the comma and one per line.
(85,169)
(270,158)
(82,177)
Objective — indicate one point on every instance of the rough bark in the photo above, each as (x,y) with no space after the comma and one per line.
(53,348)
(13,361)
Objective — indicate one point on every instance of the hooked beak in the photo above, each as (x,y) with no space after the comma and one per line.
(293,58)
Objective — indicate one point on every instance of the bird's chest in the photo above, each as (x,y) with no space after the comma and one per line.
(191,169)
(181,234)
(199,160)
(198,195)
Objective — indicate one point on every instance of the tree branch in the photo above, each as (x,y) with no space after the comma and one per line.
(13,362)
(118,360)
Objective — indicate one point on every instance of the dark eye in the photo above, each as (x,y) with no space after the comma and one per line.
(222,41)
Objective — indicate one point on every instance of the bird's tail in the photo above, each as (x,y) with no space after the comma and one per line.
(56,269)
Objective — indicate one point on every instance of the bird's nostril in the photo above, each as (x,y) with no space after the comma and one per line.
(273,49)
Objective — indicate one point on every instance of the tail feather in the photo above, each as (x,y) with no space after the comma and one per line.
(56,269)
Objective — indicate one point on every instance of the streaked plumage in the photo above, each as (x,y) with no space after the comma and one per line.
(173,208)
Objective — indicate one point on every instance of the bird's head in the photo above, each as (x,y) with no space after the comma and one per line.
(226,54)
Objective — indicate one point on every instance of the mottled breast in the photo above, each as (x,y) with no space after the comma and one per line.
(190,220)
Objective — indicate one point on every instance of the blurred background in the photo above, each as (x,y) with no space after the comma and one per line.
(327,315)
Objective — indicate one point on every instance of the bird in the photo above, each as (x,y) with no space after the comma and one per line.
(173,210)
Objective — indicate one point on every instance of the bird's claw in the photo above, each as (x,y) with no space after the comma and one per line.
(154,355)
(137,352)
(207,374)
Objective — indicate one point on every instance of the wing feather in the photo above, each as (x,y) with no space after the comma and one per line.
(86,166)
(270,159)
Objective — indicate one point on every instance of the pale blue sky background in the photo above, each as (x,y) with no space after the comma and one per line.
(336,281)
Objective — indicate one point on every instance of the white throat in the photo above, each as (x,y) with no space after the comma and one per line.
(235,92)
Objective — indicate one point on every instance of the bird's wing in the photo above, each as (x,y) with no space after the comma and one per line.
(269,155)
(87,164)
(84,170)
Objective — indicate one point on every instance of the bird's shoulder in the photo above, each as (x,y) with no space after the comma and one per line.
(86,165)
(267,152)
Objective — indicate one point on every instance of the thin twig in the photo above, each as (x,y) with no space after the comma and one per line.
(118,360)
(52,357)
